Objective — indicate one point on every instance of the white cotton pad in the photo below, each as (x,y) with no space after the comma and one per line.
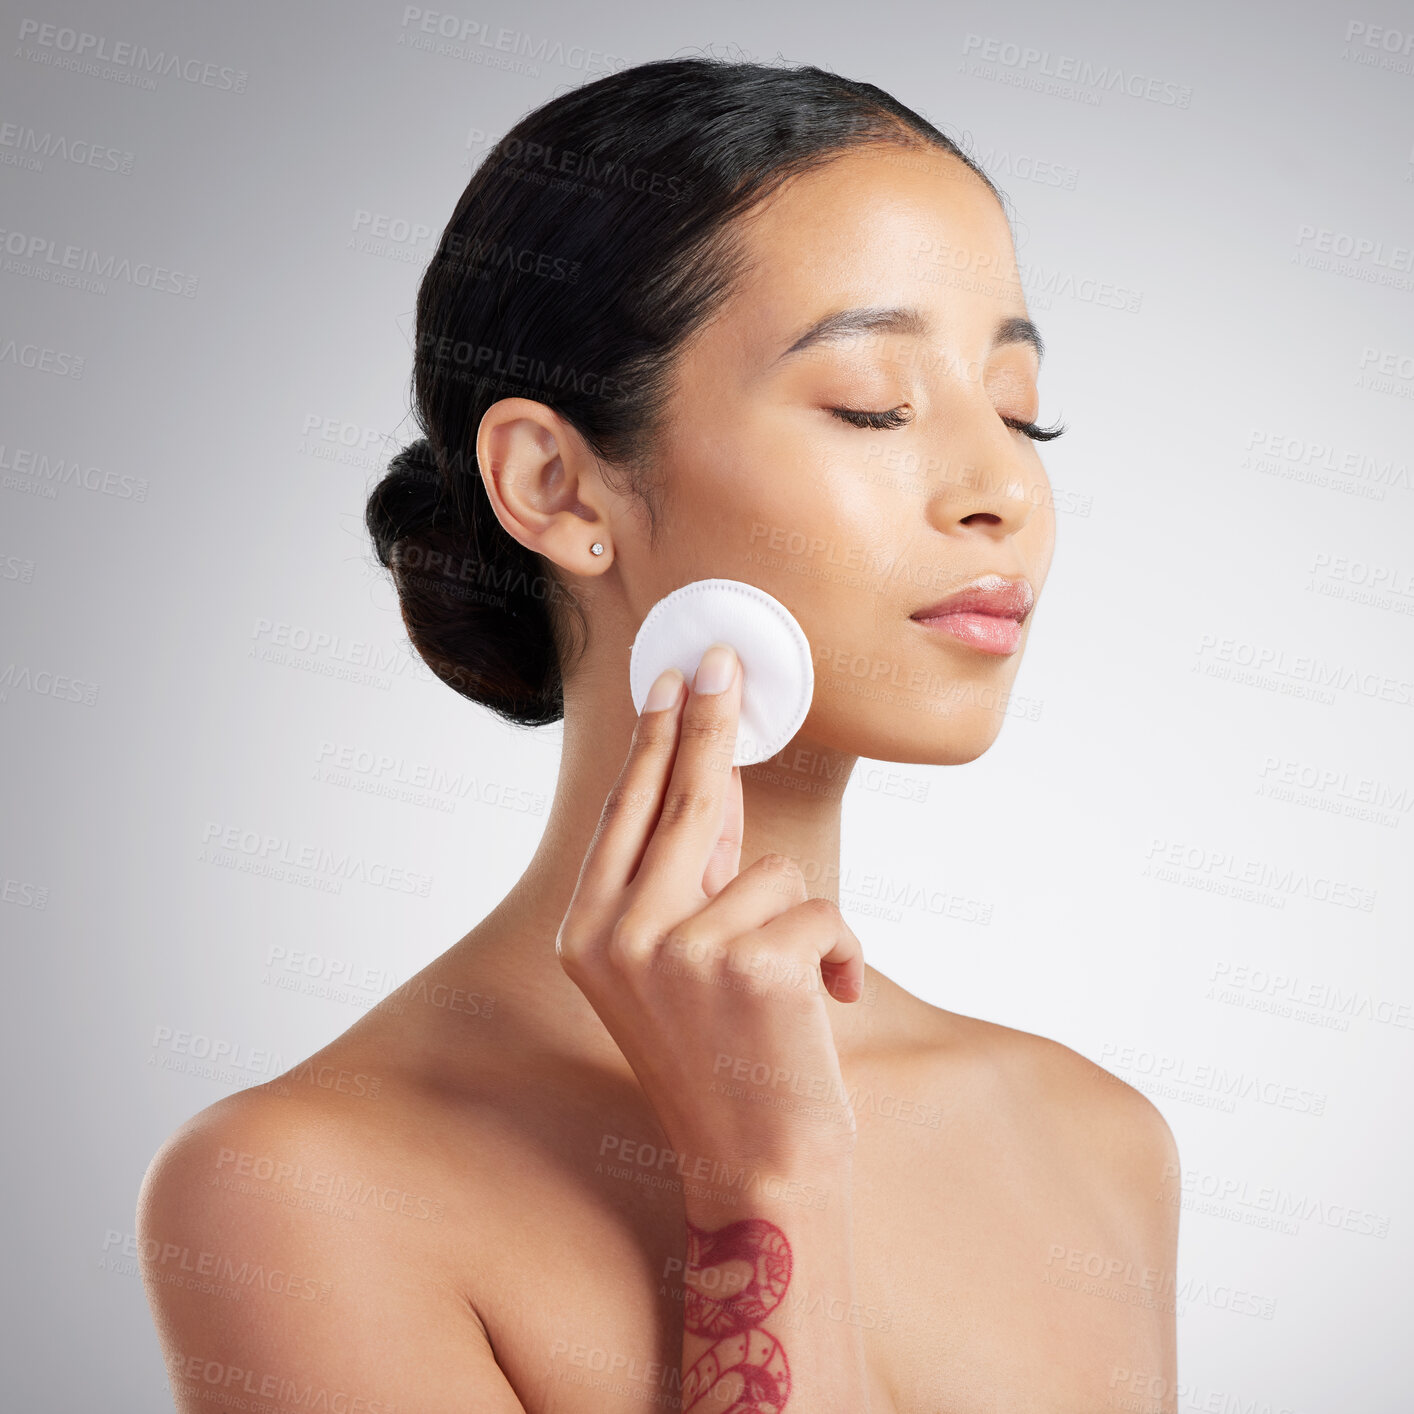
(778,678)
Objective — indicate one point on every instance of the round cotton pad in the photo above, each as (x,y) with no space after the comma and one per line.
(778,676)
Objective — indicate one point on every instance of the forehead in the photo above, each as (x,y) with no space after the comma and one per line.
(881,225)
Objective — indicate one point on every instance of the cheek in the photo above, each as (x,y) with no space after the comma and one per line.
(803,509)
(827,560)
(771,482)
(814,521)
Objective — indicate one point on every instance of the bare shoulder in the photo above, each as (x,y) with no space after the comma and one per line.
(267,1135)
(1104,1112)
(288,1240)
(1065,1107)
(272,1173)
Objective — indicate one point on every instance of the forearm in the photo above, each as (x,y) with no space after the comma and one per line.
(768,1256)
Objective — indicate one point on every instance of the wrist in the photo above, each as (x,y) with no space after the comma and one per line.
(724,1187)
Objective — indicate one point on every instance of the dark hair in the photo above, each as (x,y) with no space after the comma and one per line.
(590,243)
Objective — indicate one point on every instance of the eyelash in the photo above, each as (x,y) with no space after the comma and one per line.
(1035,431)
(879,421)
(893,417)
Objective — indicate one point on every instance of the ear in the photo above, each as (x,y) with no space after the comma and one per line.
(544,484)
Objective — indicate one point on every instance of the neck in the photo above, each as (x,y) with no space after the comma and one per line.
(792,806)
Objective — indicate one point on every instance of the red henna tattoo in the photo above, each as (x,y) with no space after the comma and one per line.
(742,1349)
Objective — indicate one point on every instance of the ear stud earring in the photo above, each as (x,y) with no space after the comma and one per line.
(596,548)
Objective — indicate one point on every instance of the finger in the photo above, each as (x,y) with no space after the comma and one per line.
(693,808)
(722,867)
(631,808)
(814,929)
(757,894)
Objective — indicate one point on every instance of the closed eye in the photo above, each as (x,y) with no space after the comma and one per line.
(1033,431)
(902,415)
(879,421)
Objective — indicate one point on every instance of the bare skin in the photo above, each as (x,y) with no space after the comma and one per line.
(501,1226)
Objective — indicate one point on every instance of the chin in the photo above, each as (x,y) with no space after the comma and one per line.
(912,734)
(952,744)
(958,751)
(920,709)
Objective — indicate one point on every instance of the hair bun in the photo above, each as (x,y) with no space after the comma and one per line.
(411,498)
(475,601)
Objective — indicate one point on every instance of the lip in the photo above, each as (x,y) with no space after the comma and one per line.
(986,615)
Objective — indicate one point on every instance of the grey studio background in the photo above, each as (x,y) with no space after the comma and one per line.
(1187,855)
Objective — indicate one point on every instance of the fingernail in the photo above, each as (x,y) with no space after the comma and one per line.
(716,670)
(664,691)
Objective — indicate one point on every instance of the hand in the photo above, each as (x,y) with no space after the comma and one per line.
(711,980)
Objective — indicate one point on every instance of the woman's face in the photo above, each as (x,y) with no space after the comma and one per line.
(858,529)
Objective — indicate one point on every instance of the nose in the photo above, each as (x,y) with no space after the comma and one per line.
(987,478)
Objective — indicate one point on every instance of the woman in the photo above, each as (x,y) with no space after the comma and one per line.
(652,1133)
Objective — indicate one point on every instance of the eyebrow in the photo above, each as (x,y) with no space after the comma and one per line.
(912,322)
